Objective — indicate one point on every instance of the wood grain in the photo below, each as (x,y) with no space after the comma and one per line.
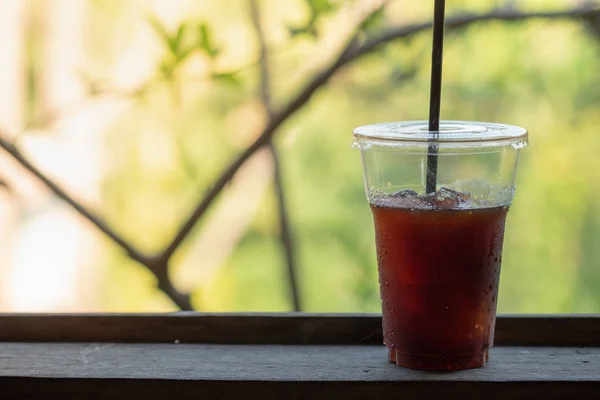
(271,329)
(151,371)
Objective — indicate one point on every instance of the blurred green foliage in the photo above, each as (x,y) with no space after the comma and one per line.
(540,75)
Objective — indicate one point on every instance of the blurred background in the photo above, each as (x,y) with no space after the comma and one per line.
(98,95)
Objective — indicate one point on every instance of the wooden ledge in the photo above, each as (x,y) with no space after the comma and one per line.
(207,371)
(267,356)
(275,328)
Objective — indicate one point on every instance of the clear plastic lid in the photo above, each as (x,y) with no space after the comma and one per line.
(452,134)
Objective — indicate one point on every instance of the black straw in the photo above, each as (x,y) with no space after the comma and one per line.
(435,94)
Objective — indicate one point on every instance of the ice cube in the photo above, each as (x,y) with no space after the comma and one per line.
(447,199)
(405,193)
(410,199)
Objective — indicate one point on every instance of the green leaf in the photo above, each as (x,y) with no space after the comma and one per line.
(308,30)
(177,44)
(158,26)
(227,77)
(205,41)
(374,21)
(183,54)
(320,7)
(294,31)
(177,40)
(166,69)
(204,35)
(161,31)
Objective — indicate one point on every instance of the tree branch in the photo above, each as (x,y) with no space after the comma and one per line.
(263,139)
(265,78)
(465,20)
(49,117)
(58,191)
(286,235)
(182,300)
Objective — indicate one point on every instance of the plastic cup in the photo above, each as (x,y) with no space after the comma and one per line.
(439,255)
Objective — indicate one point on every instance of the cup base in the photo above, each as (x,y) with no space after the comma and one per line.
(442,363)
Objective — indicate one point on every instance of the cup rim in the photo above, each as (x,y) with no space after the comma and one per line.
(455,134)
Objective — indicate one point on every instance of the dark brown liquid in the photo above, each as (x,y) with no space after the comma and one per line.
(439,272)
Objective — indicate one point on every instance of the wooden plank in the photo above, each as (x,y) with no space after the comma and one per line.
(151,371)
(128,389)
(311,363)
(271,328)
(548,330)
(192,328)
